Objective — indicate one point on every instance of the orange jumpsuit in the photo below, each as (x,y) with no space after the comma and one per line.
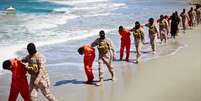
(19,81)
(89,56)
(125,43)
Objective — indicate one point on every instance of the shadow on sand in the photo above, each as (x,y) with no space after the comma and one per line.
(63,82)
(74,81)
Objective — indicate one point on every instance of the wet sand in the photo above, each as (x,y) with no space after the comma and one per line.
(168,78)
(175,77)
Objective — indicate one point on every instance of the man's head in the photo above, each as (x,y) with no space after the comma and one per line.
(166,16)
(151,20)
(137,24)
(176,13)
(7,64)
(121,28)
(191,9)
(81,50)
(197,7)
(161,17)
(102,34)
(31,48)
(184,10)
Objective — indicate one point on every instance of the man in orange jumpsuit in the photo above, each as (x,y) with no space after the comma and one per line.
(89,56)
(19,80)
(125,42)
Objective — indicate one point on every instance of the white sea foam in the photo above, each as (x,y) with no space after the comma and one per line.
(99,9)
(171,53)
(75,35)
(177,50)
(37,23)
(62,10)
(102,6)
(66,63)
(74,2)
(100,14)
(9,52)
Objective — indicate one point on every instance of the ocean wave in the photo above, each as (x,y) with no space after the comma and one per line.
(75,35)
(38,23)
(74,2)
(98,14)
(177,50)
(99,9)
(65,63)
(104,6)
(82,7)
(11,51)
(62,10)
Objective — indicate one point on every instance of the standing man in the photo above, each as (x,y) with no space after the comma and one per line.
(191,14)
(163,28)
(89,56)
(198,14)
(152,33)
(39,77)
(106,52)
(183,19)
(167,20)
(174,25)
(138,34)
(125,42)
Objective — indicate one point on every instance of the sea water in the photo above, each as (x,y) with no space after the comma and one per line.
(60,27)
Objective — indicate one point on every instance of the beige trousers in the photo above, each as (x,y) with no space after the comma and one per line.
(44,89)
(153,38)
(107,60)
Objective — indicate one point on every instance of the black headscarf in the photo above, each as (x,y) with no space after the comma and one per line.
(31,48)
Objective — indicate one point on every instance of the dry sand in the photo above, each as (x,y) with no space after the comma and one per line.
(168,78)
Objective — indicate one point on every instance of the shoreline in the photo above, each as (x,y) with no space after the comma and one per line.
(171,78)
(53,37)
(167,78)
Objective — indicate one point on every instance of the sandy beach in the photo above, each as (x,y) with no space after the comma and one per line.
(60,27)
(168,78)
(173,77)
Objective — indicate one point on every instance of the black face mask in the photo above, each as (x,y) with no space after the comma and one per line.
(137,26)
(31,49)
(102,36)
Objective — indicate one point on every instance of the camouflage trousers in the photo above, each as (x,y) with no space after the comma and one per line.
(153,38)
(44,89)
(107,60)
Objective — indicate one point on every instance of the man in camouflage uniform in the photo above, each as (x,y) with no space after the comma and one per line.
(105,55)
(39,75)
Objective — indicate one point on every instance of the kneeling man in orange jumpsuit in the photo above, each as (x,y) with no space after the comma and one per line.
(89,56)
(125,42)
(19,80)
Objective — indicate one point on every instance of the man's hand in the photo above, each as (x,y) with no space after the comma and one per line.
(27,74)
(26,65)
(36,82)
